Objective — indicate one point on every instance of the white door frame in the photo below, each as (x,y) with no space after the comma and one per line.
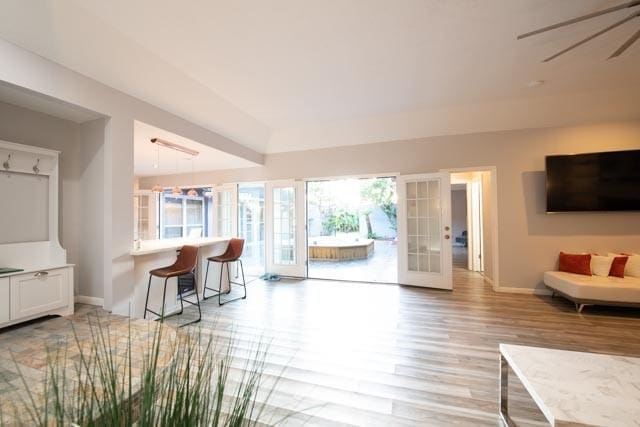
(475,225)
(299,269)
(493,203)
(442,279)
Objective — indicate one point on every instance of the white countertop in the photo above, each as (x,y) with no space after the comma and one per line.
(164,245)
(575,388)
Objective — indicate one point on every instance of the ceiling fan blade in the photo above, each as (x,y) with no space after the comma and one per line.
(593,36)
(581,18)
(626,45)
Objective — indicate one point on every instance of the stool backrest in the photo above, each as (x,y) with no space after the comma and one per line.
(234,250)
(187,258)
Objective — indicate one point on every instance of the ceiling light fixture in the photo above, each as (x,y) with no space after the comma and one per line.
(157,188)
(192,192)
(174,146)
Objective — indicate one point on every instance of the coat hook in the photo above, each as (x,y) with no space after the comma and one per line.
(6,165)
(35,168)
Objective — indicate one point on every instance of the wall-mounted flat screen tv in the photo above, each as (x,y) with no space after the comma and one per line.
(594,182)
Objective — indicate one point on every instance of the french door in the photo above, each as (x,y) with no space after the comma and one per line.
(424,230)
(225,212)
(285,232)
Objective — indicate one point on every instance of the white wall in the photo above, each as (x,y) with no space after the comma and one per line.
(529,239)
(91,210)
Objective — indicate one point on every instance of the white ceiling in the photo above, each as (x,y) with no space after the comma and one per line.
(149,160)
(289,74)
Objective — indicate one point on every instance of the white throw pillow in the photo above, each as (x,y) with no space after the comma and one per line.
(601,265)
(632,268)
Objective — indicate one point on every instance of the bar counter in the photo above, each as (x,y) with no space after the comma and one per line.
(154,254)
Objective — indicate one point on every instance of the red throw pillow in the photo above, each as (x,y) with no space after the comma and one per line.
(575,263)
(617,266)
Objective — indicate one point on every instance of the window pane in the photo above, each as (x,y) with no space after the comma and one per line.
(172,211)
(194,212)
(284,224)
(171,232)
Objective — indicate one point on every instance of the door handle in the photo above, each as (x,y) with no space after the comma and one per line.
(41,274)
(446,236)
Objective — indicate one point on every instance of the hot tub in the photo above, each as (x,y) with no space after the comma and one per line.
(336,248)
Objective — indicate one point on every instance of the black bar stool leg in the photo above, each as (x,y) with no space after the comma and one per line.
(229,279)
(164,297)
(244,283)
(146,302)
(220,284)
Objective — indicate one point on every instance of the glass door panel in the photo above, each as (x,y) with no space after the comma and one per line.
(226,218)
(251,227)
(423,230)
(286,254)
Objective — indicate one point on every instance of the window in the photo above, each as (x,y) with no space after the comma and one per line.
(184,216)
(284,226)
(225,219)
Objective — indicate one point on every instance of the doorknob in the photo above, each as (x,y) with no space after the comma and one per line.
(446,228)
(446,236)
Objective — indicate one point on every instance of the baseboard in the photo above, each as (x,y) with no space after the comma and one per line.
(527,291)
(82,299)
(489,280)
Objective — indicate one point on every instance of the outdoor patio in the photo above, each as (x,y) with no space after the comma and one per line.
(380,267)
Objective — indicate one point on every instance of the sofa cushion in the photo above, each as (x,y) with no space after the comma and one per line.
(575,263)
(633,266)
(617,266)
(601,265)
(595,288)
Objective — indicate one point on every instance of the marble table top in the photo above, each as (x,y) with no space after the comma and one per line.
(575,388)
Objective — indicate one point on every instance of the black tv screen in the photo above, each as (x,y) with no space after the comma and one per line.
(594,182)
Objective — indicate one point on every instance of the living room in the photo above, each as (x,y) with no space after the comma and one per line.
(212,136)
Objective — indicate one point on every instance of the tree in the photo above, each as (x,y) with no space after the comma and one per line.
(381,193)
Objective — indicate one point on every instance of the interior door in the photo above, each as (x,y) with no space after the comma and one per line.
(424,230)
(285,233)
(225,213)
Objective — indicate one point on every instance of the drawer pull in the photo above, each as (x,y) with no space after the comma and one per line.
(41,274)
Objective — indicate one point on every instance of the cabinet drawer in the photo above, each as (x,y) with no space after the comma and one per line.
(4,300)
(36,293)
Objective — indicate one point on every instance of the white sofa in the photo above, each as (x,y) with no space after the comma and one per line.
(594,290)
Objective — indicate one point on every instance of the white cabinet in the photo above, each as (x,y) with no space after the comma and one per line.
(36,293)
(4,300)
(39,292)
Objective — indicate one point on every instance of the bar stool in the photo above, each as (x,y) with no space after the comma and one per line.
(184,270)
(232,254)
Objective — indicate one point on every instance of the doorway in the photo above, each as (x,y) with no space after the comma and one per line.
(469,219)
(352,229)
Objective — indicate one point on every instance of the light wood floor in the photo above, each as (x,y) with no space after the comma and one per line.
(370,354)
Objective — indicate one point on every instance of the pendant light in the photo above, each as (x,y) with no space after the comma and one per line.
(192,191)
(176,191)
(157,188)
